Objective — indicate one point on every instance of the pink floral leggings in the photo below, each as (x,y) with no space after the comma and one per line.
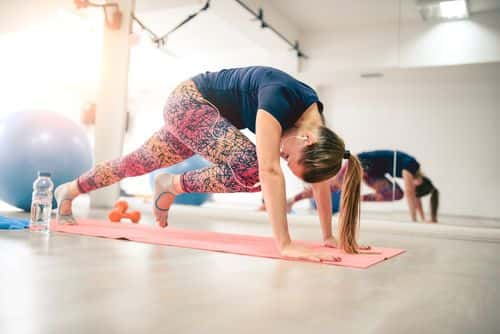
(192,126)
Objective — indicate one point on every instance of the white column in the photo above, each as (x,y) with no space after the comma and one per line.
(112,100)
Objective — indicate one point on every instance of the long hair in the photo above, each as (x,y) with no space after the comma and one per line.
(434,204)
(322,160)
(350,206)
(425,188)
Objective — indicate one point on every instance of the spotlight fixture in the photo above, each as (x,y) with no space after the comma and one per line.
(443,9)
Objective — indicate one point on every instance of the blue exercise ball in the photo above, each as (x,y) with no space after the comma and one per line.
(32,141)
(195,162)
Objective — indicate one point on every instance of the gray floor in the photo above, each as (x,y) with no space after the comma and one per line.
(72,284)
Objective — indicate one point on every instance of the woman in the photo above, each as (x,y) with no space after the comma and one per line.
(203,115)
(378,164)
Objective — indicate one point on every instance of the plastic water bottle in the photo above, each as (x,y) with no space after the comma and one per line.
(41,202)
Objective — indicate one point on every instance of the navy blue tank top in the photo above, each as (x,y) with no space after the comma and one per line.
(239,92)
(378,163)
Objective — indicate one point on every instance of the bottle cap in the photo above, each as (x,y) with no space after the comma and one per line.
(47,174)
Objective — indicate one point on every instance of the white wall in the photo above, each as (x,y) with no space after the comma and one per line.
(448,118)
(414,44)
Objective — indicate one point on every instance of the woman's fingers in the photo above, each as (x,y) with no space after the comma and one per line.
(298,251)
(329,257)
(334,258)
(313,258)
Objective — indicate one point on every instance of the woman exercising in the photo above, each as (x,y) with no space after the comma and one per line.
(202,116)
(376,165)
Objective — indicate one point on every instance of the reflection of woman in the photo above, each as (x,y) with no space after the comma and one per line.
(378,164)
(203,115)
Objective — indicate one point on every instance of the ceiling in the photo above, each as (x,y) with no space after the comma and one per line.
(208,32)
(321,15)
(205,32)
(315,15)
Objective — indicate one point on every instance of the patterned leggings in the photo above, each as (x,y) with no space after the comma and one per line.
(192,126)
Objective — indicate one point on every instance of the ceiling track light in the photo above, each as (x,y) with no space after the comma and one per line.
(443,9)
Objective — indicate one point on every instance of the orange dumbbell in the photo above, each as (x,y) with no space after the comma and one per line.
(120,211)
(121,206)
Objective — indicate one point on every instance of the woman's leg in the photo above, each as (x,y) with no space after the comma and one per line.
(161,150)
(199,126)
(383,189)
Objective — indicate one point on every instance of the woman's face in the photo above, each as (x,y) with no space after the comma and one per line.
(291,150)
(417,181)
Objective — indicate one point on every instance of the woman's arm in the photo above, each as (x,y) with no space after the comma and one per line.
(322,195)
(272,182)
(420,210)
(271,177)
(411,197)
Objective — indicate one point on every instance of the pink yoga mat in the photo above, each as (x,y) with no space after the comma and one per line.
(213,241)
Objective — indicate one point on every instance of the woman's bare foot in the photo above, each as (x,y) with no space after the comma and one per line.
(166,188)
(65,194)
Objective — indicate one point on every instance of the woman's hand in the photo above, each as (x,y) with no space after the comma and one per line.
(296,251)
(330,242)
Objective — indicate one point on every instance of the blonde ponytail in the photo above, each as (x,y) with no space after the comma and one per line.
(350,206)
